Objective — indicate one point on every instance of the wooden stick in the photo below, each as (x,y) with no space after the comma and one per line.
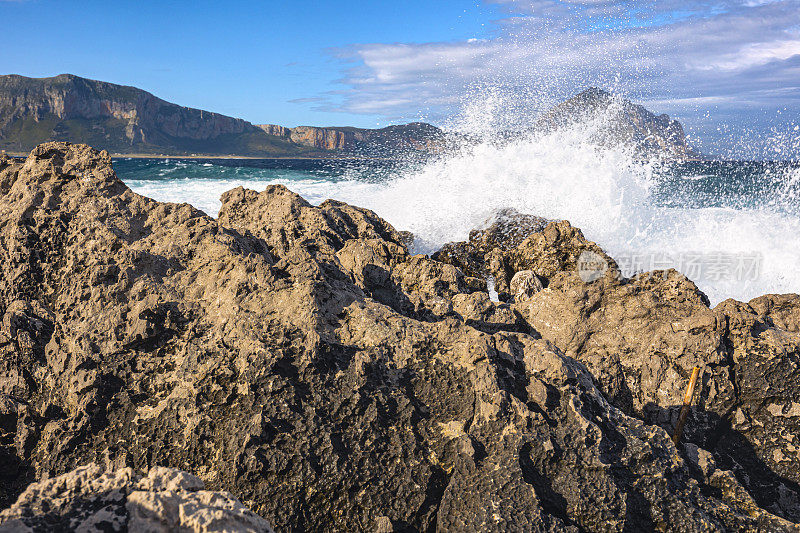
(687,404)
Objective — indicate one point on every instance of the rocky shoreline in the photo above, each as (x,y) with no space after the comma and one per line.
(298,361)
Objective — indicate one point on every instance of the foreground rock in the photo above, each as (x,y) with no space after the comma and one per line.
(513,242)
(641,337)
(301,359)
(89,499)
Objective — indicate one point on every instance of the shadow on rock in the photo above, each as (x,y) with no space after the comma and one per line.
(710,444)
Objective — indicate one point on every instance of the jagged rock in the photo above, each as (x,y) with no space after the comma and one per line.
(641,337)
(408,238)
(524,284)
(781,311)
(702,459)
(477,310)
(90,499)
(301,359)
(519,242)
(505,230)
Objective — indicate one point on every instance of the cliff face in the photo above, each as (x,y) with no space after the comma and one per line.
(391,140)
(119,118)
(300,358)
(620,121)
(325,138)
(274,129)
(127,120)
(146,118)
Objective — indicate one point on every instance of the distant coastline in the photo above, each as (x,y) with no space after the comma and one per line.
(320,157)
(130,122)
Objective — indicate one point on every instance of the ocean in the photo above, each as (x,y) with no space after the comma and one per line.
(733,227)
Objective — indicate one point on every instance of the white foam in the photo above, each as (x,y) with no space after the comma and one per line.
(204,194)
(558,175)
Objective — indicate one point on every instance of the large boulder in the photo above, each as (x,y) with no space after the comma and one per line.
(641,338)
(90,499)
(301,359)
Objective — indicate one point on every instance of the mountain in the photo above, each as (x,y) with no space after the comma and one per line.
(621,121)
(124,119)
(120,119)
(416,136)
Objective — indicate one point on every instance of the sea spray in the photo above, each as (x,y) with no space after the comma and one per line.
(647,213)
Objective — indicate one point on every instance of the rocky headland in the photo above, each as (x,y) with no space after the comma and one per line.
(128,120)
(623,123)
(298,361)
(391,140)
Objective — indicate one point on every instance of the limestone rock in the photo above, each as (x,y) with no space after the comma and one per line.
(506,229)
(641,337)
(90,499)
(524,285)
(519,242)
(392,140)
(128,117)
(299,358)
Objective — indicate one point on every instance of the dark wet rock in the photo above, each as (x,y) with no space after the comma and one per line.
(781,311)
(90,499)
(407,238)
(505,230)
(299,358)
(502,250)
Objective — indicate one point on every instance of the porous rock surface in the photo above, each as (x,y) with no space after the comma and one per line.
(640,337)
(301,359)
(90,499)
(512,242)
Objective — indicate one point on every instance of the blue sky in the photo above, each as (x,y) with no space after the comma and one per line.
(244,58)
(728,69)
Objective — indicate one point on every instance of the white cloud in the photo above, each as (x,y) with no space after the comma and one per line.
(685,54)
(757,54)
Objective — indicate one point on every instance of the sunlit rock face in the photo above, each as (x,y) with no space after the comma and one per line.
(139,116)
(299,358)
(93,499)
